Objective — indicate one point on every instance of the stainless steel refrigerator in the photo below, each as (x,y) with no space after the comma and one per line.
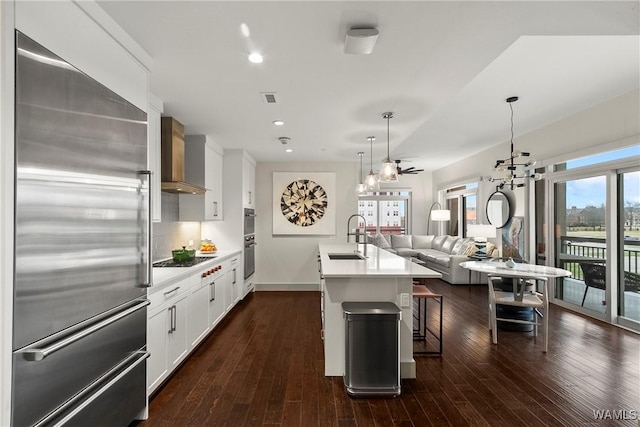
(81,247)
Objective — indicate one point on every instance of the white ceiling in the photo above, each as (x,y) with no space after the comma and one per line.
(444,68)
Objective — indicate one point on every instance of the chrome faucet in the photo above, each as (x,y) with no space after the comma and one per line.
(357,233)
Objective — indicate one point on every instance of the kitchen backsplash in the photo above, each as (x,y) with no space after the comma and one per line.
(170,233)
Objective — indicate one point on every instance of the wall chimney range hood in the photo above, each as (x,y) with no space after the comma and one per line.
(173,159)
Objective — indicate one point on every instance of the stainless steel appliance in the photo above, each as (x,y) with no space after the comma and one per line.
(249,255)
(171,263)
(82,240)
(249,221)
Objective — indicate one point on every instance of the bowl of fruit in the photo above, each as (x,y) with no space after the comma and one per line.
(206,247)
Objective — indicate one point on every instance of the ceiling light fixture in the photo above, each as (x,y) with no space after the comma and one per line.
(388,170)
(361,187)
(372,179)
(278,122)
(514,171)
(255,58)
(360,41)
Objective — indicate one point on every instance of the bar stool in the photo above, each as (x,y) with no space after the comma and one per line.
(423,294)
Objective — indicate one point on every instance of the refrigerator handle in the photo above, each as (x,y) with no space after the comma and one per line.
(147,280)
(37,354)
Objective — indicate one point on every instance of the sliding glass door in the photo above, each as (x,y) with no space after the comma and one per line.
(629,245)
(580,241)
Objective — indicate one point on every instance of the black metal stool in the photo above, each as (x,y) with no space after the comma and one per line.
(423,294)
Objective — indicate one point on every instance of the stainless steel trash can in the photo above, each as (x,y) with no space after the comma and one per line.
(372,349)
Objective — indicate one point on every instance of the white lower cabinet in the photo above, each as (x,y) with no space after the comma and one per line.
(216,302)
(167,340)
(182,314)
(198,313)
(178,343)
(157,338)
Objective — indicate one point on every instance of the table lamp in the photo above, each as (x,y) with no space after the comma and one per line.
(480,234)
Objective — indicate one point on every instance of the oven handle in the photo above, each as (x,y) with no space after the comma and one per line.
(248,245)
(36,354)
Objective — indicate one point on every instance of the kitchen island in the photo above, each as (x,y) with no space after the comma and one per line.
(380,277)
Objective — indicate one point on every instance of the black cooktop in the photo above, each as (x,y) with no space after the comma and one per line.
(191,263)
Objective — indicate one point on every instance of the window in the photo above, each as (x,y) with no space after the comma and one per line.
(393,206)
(462,202)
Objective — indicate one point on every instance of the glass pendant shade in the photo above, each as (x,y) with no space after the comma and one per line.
(371,182)
(388,170)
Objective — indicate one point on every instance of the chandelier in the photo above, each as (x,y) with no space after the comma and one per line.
(514,170)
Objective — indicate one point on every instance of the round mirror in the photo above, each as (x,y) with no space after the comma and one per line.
(498,209)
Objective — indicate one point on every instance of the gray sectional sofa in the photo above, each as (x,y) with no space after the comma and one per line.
(441,253)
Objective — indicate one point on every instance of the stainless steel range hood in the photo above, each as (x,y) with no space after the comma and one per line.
(173,159)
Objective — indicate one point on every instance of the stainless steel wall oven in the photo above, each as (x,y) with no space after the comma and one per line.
(249,255)
(249,221)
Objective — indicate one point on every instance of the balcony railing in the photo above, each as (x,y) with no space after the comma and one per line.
(574,250)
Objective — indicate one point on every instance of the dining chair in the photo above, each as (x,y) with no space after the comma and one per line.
(520,296)
(595,276)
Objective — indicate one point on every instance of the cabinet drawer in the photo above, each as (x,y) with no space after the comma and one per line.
(168,294)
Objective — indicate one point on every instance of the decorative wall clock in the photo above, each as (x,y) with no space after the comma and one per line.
(303,202)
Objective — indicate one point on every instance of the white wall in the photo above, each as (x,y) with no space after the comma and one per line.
(290,262)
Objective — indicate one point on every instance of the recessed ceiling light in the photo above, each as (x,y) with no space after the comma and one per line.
(278,122)
(289,150)
(255,57)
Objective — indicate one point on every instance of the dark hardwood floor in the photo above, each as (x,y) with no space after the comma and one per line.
(263,366)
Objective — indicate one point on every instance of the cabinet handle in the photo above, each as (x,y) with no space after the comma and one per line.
(212,295)
(215,208)
(234,276)
(170,319)
(249,197)
(171,291)
(175,318)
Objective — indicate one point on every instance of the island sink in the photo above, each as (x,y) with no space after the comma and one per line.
(351,256)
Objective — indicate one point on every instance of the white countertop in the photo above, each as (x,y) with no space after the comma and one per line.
(379,263)
(163,276)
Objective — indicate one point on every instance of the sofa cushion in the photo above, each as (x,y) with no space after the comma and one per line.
(437,242)
(449,243)
(406,252)
(421,242)
(379,241)
(401,241)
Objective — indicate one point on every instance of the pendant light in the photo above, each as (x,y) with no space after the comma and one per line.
(361,188)
(509,171)
(372,179)
(388,170)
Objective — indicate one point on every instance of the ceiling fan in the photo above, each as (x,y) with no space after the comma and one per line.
(408,171)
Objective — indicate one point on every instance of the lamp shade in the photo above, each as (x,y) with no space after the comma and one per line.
(481,230)
(440,215)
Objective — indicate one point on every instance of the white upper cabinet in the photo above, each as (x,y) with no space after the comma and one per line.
(153,158)
(203,167)
(248,183)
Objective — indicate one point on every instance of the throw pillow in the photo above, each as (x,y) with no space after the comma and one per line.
(460,246)
(400,241)
(421,242)
(379,241)
(470,249)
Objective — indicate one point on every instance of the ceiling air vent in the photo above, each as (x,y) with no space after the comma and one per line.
(268,97)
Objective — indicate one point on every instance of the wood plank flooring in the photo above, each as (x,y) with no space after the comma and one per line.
(264,366)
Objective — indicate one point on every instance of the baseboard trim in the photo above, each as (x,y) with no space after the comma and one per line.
(305,287)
